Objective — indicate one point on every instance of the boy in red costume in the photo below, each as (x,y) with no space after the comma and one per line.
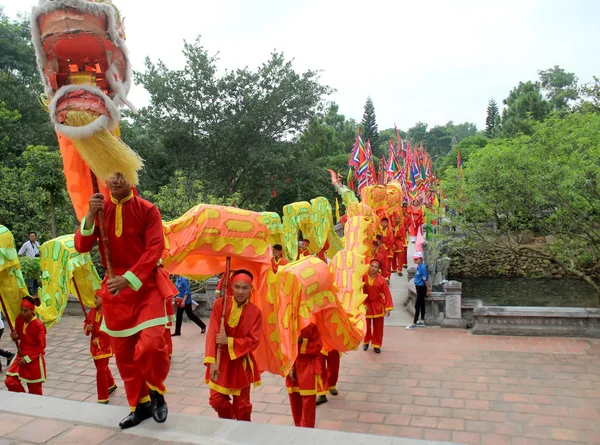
(304,250)
(101,352)
(30,367)
(134,300)
(415,213)
(379,303)
(302,381)
(330,370)
(240,338)
(387,234)
(278,259)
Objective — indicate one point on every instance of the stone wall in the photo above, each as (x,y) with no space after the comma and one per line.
(470,262)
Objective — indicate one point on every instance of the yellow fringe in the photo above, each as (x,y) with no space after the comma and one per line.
(104,153)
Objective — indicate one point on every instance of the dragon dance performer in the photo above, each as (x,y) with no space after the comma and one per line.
(415,216)
(101,352)
(400,259)
(380,252)
(302,382)
(330,371)
(29,368)
(379,303)
(388,242)
(241,337)
(278,259)
(304,251)
(134,300)
(322,254)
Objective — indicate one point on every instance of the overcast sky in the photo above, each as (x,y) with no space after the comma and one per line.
(429,61)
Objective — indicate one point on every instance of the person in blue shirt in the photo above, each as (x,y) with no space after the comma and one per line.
(184,303)
(423,288)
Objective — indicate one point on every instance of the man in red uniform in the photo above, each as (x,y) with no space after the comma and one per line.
(381,253)
(302,381)
(388,242)
(304,251)
(330,371)
(278,259)
(240,338)
(101,352)
(379,303)
(415,213)
(399,245)
(29,365)
(322,255)
(134,300)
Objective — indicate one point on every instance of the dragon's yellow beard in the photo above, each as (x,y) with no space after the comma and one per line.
(103,152)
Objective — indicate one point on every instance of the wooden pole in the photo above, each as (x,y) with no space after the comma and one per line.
(79,298)
(10,325)
(103,236)
(225,296)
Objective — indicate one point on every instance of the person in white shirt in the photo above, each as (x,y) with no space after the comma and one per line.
(30,248)
(8,355)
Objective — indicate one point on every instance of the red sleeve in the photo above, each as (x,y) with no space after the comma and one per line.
(388,300)
(214,326)
(283,262)
(310,341)
(40,335)
(240,346)
(155,245)
(84,244)
(89,321)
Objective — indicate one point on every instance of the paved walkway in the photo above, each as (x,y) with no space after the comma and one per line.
(434,384)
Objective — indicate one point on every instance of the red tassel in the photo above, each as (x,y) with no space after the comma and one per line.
(274,193)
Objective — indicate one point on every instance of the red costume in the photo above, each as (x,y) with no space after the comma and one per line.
(415,214)
(238,368)
(101,352)
(305,384)
(32,340)
(276,263)
(378,302)
(330,368)
(136,316)
(304,252)
(322,255)
(381,254)
(388,242)
(400,259)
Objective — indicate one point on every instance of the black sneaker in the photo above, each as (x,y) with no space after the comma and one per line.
(333,392)
(377,350)
(321,400)
(365,346)
(141,413)
(112,388)
(9,359)
(158,406)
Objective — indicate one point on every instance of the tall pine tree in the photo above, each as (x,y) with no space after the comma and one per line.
(368,124)
(490,120)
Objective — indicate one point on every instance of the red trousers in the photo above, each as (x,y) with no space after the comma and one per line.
(304,409)
(385,268)
(239,409)
(331,364)
(375,333)
(104,378)
(142,359)
(399,260)
(14,384)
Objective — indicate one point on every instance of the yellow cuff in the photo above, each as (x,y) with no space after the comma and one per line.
(304,345)
(134,282)
(210,361)
(232,355)
(389,309)
(88,232)
(27,359)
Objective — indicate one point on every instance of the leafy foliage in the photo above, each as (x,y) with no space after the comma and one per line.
(491,118)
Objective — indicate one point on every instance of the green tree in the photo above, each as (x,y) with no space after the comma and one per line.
(590,93)
(492,117)
(560,86)
(43,172)
(547,182)
(525,106)
(368,125)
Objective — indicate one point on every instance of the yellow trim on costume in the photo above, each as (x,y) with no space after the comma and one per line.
(210,361)
(144,399)
(302,392)
(104,402)
(119,213)
(389,309)
(100,357)
(230,342)
(304,345)
(331,388)
(154,388)
(27,359)
(376,346)
(236,312)
(324,352)
(42,373)
(89,232)
(371,280)
(221,389)
(134,282)
(132,331)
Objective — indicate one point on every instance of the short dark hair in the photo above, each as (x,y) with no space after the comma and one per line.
(244,271)
(385,219)
(277,247)
(379,237)
(33,233)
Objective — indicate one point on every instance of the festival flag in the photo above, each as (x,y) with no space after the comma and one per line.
(382,174)
(354,160)
(371,173)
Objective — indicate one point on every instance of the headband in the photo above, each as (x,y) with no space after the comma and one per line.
(242,277)
(28,304)
(375,260)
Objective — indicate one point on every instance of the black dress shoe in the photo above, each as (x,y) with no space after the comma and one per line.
(159,407)
(333,392)
(203,330)
(377,350)
(112,388)
(141,413)
(9,359)
(321,400)
(365,346)
(175,334)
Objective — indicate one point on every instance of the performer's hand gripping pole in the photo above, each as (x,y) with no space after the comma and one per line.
(10,325)
(225,294)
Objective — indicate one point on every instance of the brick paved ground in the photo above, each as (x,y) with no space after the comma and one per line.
(428,383)
(27,430)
